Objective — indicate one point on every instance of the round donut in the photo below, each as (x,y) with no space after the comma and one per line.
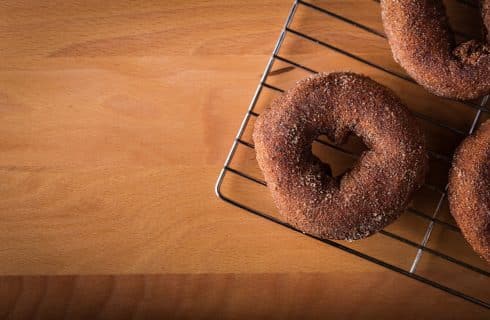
(469,190)
(369,196)
(422,42)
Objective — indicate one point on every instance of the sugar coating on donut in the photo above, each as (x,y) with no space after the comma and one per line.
(369,196)
(422,42)
(469,190)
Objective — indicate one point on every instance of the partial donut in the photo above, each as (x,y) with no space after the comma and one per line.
(469,190)
(423,44)
(369,196)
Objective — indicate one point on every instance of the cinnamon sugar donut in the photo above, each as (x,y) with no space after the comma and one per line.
(423,44)
(469,190)
(369,196)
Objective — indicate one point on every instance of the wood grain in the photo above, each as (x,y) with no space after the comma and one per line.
(115,119)
(233,296)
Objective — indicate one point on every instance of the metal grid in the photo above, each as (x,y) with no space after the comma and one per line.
(479,108)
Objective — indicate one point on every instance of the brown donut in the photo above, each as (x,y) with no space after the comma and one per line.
(369,196)
(423,44)
(469,190)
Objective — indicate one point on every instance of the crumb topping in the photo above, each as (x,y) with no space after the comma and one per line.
(369,196)
(422,42)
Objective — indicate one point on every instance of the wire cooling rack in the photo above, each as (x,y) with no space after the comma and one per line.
(409,246)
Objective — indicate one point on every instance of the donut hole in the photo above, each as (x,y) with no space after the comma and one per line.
(338,161)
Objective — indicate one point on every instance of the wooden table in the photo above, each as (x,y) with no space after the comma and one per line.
(115,119)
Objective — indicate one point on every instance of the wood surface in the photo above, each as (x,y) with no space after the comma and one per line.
(115,120)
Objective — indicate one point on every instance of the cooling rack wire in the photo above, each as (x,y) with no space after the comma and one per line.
(468,273)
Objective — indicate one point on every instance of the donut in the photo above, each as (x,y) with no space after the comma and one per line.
(422,42)
(469,190)
(375,191)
